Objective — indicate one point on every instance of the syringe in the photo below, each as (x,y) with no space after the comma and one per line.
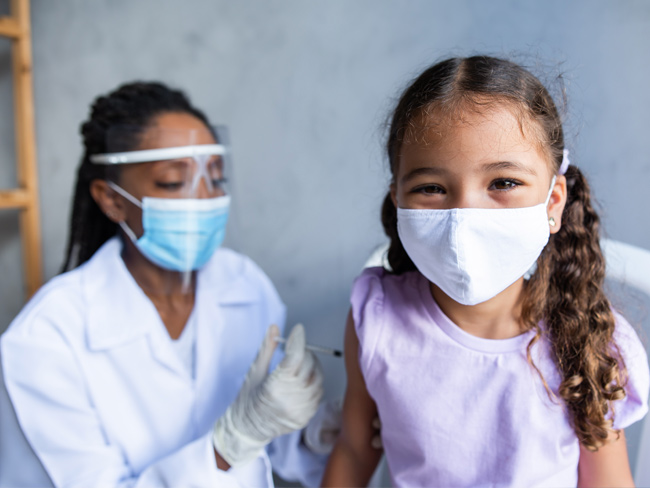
(318,349)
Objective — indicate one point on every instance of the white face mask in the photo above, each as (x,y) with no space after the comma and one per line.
(473,254)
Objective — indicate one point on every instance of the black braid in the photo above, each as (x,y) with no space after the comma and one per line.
(133,104)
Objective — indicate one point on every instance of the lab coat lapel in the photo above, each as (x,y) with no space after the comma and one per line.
(163,351)
(219,290)
(126,313)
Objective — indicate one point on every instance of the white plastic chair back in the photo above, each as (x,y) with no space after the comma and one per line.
(630,265)
(626,264)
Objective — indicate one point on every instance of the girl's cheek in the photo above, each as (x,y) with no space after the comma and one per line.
(406,199)
(420,201)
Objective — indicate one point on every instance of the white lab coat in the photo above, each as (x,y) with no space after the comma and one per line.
(101,398)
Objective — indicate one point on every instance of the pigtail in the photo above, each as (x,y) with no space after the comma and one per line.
(399,260)
(567,293)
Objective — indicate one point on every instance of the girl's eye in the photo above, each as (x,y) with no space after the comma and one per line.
(504,184)
(429,190)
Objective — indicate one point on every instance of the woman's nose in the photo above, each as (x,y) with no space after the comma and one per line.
(202,190)
(206,189)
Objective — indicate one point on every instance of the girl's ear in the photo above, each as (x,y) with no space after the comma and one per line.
(556,204)
(108,200)
(393,194)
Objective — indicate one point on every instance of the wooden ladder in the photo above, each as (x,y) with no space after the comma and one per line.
(25,197)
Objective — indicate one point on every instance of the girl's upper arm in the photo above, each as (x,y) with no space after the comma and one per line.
(607,467)
(353,459)
(359,408)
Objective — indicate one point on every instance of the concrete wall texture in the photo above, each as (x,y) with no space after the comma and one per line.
(305,88)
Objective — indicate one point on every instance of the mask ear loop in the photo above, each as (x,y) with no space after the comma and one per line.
(531,271)
(127,230)
(563,168)
(186,276)
(550,191)
(124,193)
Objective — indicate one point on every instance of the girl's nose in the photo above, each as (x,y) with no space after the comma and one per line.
(471,195)
(464,198)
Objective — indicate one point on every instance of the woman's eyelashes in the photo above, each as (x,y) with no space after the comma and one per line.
(219,182)
(177,185)
(170,185)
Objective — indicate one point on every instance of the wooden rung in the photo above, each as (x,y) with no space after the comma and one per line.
(14,199)
(9,27)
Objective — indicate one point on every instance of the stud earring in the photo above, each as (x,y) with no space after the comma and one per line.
(551,221)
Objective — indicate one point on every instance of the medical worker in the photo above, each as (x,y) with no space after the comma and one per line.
(150,361)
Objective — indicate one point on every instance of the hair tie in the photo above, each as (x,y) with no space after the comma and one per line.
(565,162)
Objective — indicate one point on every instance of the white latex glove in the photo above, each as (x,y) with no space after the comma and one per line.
(270,405)
(324,427)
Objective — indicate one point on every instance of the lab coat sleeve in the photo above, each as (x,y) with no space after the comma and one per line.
(187,467)
(47,390)
(293,461)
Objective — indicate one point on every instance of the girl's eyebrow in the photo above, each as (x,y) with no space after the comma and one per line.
(427,170)
(508,165)
(497,166)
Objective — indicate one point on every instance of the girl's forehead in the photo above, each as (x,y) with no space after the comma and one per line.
(474,134)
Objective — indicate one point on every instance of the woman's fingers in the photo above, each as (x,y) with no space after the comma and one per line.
(294,350)
(376,441)
(260,366)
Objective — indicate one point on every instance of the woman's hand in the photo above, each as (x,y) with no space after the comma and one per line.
(270,404)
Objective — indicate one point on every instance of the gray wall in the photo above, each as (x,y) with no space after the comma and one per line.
(305,88)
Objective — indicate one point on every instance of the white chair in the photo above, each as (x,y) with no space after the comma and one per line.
(630,265)
(626,264)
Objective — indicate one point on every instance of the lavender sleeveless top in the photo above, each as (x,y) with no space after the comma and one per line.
(458,410)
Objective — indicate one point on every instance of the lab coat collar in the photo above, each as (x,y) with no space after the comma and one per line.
(118,309)
(120,312)
(229,278)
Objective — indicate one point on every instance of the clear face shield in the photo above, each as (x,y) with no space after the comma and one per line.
(175,181)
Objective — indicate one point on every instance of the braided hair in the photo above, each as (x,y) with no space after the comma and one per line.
(134,104)
(566,291)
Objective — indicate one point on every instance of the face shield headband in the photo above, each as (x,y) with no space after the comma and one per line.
(201,154)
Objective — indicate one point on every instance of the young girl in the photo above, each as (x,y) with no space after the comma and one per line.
(489,350)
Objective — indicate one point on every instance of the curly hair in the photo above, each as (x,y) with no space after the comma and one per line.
(565,294)
(135,105)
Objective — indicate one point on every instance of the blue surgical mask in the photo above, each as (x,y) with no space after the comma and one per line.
(180,234)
